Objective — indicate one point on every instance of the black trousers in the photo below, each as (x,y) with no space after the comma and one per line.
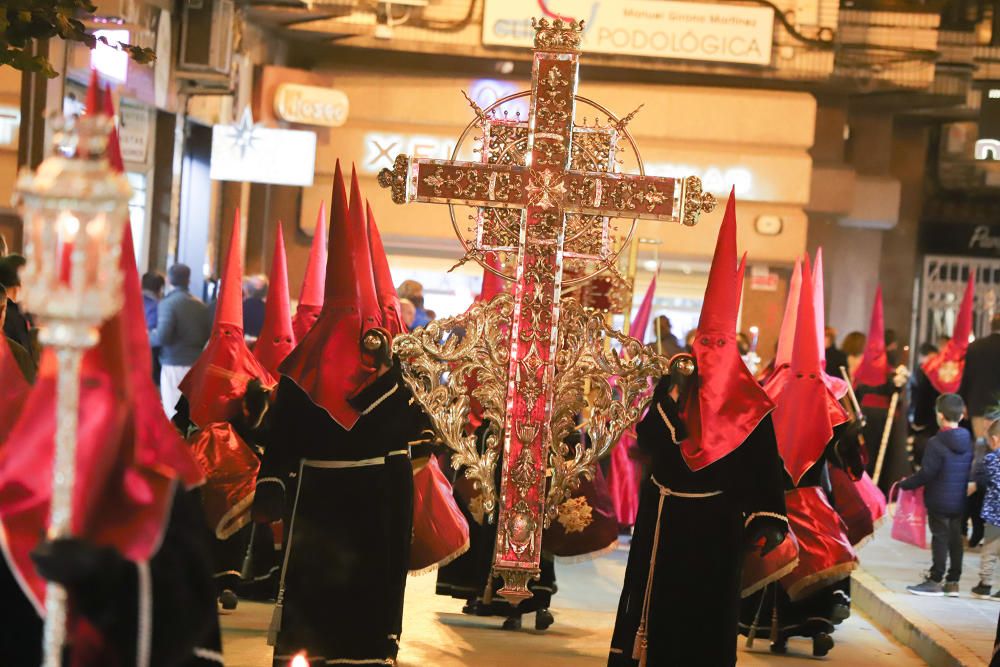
(946,546)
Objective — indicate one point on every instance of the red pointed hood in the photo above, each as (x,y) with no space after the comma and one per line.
(311,296)
(114,147)
(94,100)
(741,272)
(831,376)
(128,457)
(215,385)
(328,364)
(725,403)
(944,369)
(13,390)
(805,409)
(276,339)
(786,337)
(874,368)
(385,289)
(492,283)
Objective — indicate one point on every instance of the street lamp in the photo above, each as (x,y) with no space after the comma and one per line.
(74,210)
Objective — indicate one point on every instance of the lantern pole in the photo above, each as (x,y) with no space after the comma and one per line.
(74,209)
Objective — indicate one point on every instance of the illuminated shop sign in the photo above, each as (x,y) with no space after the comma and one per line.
(715,179)
(381,148)
(678,30)
(248,153)
(311,105)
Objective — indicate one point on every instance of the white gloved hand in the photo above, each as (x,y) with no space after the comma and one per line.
(901,376)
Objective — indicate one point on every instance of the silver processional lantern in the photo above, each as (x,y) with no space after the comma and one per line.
(74,209)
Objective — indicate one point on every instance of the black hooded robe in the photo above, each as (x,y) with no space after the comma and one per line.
(694,601)
(185,627)
(349,521)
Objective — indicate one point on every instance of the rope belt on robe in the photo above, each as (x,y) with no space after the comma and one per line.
(276,614)
(639,649)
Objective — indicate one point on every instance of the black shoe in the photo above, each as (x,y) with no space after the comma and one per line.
(822,643)
(228,601)
(512,623)
(981,591)
(471,607)
(780,646)
(840,613)
(543,619)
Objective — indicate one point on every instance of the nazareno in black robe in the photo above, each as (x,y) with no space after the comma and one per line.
(185,628)
(694,604)
(349,522)
(812,615)
(251,545)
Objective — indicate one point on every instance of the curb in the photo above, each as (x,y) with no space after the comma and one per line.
(927,639)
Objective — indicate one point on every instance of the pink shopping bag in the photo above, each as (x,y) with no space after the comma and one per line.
(909,524)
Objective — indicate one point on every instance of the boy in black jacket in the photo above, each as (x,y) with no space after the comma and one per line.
(945,478)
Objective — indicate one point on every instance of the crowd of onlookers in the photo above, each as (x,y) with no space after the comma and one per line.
(955,438)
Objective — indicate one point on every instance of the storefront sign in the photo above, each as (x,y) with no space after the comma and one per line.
(311,105)
(714,178)
(762,279)
(381,148)
(960,239)
(678,30)
(133,133)
(251,154)
(10,122)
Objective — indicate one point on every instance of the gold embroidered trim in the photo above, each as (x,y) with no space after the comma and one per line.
(772,515)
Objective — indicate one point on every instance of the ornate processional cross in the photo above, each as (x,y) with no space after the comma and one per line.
(539,204)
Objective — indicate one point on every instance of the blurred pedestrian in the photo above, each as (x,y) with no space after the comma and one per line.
(153,284)
(413,292)
(21,355)
(945,478)
(254,298)
(667,344)
(853,347)
(987,477)
(408,312)
(16,326)
(183,325)
(981,380)
(835,357)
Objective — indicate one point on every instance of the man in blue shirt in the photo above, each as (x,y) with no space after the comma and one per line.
(152,291)
(183,325)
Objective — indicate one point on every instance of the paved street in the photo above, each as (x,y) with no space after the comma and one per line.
(437,634)
(966,624)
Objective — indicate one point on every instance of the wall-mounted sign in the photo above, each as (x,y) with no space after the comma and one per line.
(762,279)
(133,133)
(10,122)
(248,153)
(381,148)
(714,178)
(311,105)
(953,238)
(677,30)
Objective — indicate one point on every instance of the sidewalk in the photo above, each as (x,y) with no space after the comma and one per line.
(945,632)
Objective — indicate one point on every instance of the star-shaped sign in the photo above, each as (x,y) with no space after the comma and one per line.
(242,133)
